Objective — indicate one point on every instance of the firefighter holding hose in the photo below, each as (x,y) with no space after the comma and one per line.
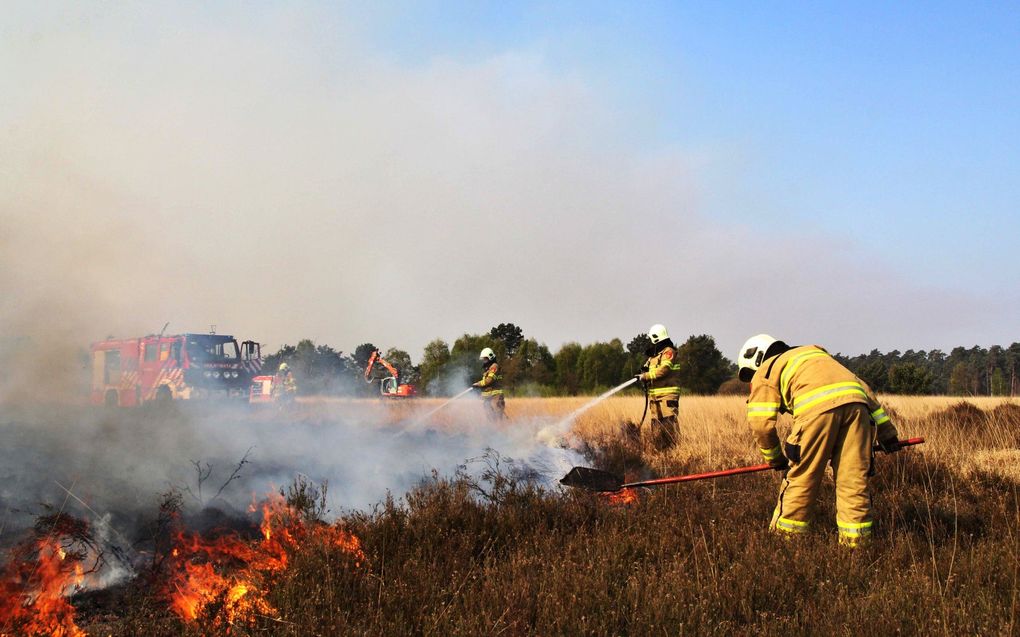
(662,383)
(836,420)
(491,385)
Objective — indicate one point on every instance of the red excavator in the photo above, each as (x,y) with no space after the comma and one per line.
(389,386)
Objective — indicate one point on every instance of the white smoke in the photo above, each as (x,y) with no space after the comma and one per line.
(120,462)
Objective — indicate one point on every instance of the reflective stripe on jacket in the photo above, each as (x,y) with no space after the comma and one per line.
(492,381)
(805,381)
(663,375)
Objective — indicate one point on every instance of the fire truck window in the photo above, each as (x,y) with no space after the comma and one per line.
(164,351)
(111,368)
(150,352)
(212,348)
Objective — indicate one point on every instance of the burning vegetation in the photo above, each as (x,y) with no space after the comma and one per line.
(624,496)
(498,553)
(225,577)
(42,572)
(219,578)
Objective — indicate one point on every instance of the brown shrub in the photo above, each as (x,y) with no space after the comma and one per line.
(734,387)
(964,415)
(1007,414)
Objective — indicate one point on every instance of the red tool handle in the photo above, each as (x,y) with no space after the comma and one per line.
(909,442)
(698,476)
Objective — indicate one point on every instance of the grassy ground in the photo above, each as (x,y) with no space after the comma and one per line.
(497,556)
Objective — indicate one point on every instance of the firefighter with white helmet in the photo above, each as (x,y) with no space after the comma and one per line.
(491,385)
(662,382)
(284,386)
(836,421)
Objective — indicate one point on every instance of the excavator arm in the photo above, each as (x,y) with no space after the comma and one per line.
(376,357)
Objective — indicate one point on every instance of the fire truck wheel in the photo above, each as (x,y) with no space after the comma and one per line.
(163,396)
(110,400)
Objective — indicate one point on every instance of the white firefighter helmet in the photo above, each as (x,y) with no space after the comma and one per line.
(487,355)
(284,367)
(657,333)
(751,355)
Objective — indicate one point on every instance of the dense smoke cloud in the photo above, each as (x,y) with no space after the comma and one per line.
(119,462)
(268,171)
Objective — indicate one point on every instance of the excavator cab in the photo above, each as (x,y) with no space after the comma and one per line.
(389,386)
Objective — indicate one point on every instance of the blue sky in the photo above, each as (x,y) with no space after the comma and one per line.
(895,124)
(842,174)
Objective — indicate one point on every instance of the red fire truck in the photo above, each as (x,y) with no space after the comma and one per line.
(134,371)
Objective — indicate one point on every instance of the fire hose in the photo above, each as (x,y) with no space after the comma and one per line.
(644,389)
(606,482)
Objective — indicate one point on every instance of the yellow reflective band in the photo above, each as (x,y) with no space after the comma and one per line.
(662,391)
(762,410)
(831,395)
(855,529)
(791,367)
(828,391)
(773,453)
(787,525)
(879,416)
(493,392)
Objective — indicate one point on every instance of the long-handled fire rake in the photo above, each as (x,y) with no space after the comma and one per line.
(606,482)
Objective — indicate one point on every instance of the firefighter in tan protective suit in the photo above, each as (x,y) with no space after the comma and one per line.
(284,387)
(662,382)
(491,385)
(836,421)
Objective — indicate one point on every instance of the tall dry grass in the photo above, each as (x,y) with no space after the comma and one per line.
(500,556)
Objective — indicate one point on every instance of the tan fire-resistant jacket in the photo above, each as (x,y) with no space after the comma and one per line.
(805,381)
(663,375)
(492,382)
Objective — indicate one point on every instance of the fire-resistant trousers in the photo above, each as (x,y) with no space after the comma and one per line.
(842,437)
(663,429)
(495,407)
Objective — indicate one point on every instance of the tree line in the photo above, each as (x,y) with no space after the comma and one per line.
(530,368)
(962,372)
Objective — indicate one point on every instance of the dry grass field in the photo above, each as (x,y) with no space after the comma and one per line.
(497,554)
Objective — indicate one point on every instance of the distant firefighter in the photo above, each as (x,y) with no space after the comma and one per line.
(284,386)
(836,421)
(662,382)
(491,385)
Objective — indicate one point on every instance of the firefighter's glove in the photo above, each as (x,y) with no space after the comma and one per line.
(890,445)
(780,463)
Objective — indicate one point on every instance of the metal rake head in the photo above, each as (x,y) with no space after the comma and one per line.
(592,479)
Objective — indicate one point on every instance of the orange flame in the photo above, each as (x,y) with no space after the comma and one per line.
(237,573)
(32,593)
(623,497)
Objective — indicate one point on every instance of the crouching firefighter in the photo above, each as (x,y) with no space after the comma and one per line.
(662,384)
(836,421)
(491,385)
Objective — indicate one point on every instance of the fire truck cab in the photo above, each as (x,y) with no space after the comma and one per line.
(135,371)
